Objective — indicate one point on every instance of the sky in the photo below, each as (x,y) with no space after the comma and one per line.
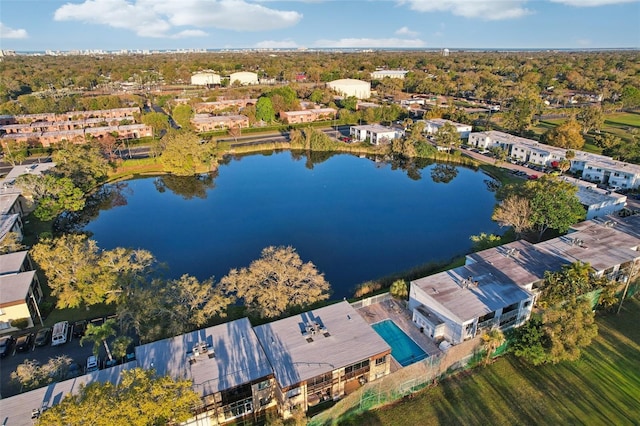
(38,25)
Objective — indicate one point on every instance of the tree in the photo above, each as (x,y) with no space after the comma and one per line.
(447,136)
(120,346)
(189,303)
(485,241)
(264,110)
(399,289)
(564,165)
(571,281)
(80,273)
(630,96)
(591,118)
(51,194)
(569,327)
(15,152)
(84,164)
(158,121)
(31,374)
(11,243)
(141,398)
(183,154)
(182,115)
(98,334)
(514,211)
(554,204)
(492,341)
(522,112)
(529,341)
(567,135)
(276,282)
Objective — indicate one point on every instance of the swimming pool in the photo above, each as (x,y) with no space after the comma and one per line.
(403,349)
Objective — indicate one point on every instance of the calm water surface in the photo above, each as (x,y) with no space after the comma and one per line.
(354,218)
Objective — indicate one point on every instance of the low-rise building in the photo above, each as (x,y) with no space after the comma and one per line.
(464,302)
(597,202)
(375,133)
(380,74)
(322,355)
(243,78)
(308,115)
(209,122)
(592,167)
(431,126)
(223,105)
(227,365)
(20,294)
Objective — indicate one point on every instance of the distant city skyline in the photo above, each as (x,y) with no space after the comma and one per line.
(39,25)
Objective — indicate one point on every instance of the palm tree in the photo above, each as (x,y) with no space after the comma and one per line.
(492,341)
(99,334)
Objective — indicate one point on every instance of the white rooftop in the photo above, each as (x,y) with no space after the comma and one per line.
(340,338)
(233,356)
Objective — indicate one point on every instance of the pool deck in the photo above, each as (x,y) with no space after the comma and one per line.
(395,310)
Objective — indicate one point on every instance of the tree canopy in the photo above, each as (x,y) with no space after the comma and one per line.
(84,164)
(80,273)
(567,135)
(141,398)
(51,194)
(276,282)
(184,154)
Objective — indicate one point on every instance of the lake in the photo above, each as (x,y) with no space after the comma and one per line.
(355,218)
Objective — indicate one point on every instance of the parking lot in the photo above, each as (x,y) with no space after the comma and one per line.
(42,354)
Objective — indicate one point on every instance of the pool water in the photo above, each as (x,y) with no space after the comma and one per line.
(403,348)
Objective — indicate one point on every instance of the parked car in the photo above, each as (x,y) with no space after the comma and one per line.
(6,345)
(92,363)
(79,328)
(74,370)
(24,342)
(43,337)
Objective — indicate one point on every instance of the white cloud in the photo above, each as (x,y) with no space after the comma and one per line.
(370,42)
(190,33)
(272,44)
(491,10)
(7,32)
(406,31)
(591,3)
(158,18)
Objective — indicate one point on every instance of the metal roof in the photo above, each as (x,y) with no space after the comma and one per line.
(340,338)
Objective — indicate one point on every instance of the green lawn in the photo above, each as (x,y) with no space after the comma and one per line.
(602,388)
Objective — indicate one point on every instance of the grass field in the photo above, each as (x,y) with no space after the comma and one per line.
(616,124)
(602,388)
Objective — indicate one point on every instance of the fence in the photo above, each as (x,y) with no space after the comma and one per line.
(371,300)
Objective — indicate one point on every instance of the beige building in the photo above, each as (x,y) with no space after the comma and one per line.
(322,355)
(307,115)
(208,122)
(20,291)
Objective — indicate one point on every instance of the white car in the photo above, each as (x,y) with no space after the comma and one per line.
(92,364)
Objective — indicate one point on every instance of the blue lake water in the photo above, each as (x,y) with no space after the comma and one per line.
(354,218)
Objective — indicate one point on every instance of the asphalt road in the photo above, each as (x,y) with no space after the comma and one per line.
(42,354)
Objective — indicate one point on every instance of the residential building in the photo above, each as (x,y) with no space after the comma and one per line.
(464,302)
(223,105)
(597,202)
(322,355)
(308,115)
(8,182)
(433,125)
(48,138)
(592,167)
(10,223)
(208,122)
(610,251)
(375,133)
(227,365)
(12,203)
(115,113)
(20,294)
